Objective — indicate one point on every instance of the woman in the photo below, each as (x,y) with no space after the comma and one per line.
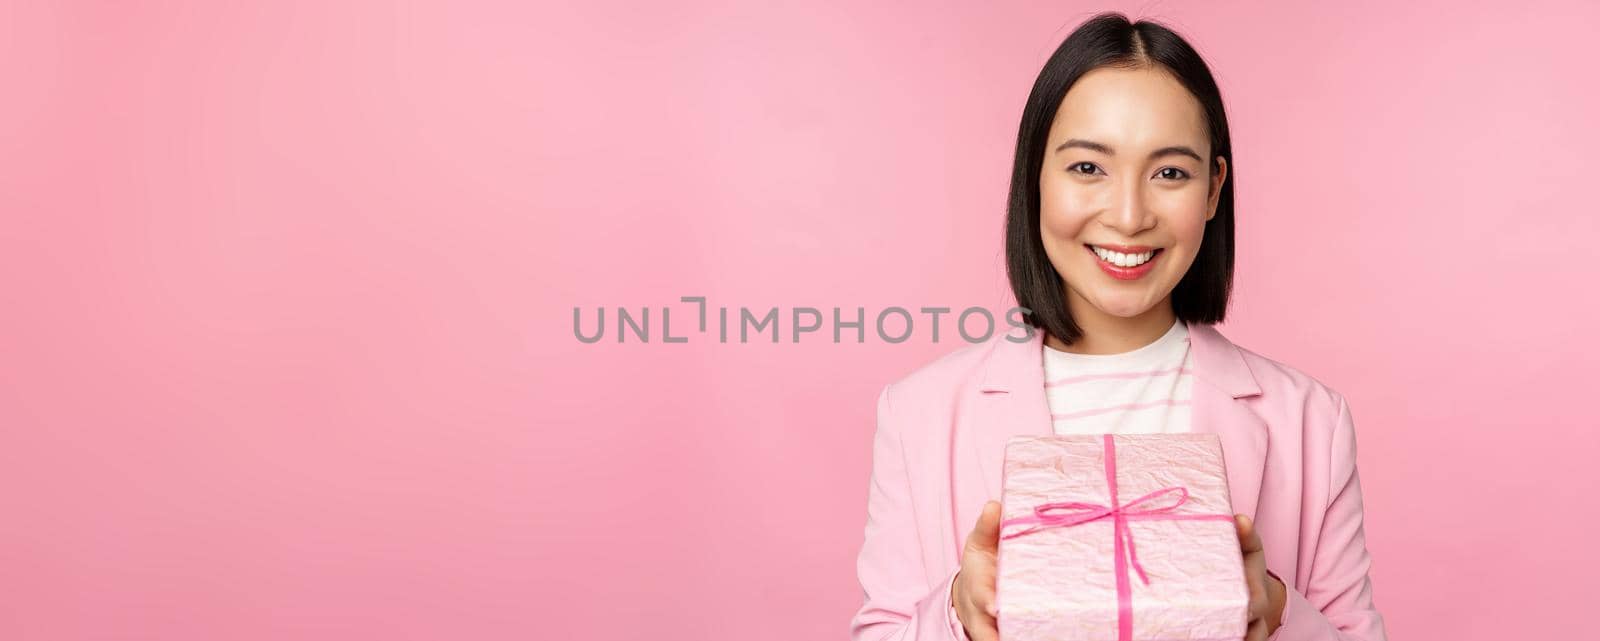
(1119,240)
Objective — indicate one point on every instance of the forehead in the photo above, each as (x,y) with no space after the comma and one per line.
(1133,108)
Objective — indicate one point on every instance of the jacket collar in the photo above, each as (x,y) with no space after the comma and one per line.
(1012,403)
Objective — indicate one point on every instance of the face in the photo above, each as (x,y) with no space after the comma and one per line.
(1124,171)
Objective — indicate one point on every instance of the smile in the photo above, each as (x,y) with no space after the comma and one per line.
(1128,265)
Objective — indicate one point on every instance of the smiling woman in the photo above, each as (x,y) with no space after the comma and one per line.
(1125,201)
(1119,244)
(1138,216)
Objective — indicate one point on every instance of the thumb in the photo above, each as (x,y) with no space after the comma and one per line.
(986,535)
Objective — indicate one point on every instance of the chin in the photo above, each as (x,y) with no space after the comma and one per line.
(1127,309)
(1128,313)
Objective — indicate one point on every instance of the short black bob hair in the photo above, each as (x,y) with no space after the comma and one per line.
(1109,40)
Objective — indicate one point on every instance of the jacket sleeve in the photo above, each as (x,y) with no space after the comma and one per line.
(897,603)
(1333,602)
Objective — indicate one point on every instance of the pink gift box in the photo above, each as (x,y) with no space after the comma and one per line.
(1128,537)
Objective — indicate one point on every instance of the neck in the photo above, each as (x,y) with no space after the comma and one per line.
(1109,334)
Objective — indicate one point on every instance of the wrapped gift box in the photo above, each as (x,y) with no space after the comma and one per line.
(1126,537)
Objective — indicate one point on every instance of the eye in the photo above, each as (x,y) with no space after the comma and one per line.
(1074,168)
(1178,174)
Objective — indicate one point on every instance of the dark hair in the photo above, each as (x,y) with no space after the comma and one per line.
(1109,40)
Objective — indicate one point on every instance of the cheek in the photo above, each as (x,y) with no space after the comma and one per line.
(1191,231)
(1062,213)
(1058,225)
(1187,223)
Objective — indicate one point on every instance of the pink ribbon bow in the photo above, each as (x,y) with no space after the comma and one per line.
(1068,514)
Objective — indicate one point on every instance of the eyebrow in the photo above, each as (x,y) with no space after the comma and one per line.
(1095,146)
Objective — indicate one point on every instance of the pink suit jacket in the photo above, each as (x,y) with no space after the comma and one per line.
(1288,444)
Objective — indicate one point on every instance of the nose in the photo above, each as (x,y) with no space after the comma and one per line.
(1128,215)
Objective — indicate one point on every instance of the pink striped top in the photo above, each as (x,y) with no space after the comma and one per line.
(1146,390)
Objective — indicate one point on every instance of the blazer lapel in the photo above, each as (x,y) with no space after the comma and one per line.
(1221,379)
(1011,402)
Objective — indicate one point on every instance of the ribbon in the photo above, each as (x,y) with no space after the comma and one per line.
(1068,514)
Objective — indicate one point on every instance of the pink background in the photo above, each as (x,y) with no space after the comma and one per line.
(287,348)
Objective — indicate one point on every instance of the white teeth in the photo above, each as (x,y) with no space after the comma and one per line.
(1123,260)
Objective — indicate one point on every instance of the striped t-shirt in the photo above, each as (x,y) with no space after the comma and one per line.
(1146,390)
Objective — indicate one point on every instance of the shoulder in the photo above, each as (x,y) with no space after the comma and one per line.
(938,383)
(946,374)
(1291,394)
(1276,375)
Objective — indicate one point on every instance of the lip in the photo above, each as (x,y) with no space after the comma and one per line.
(1126,249)
(1125,273)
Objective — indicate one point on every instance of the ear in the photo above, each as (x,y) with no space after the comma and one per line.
(1217,178)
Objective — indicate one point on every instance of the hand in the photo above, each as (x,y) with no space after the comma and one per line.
(1267,593)
(972,593)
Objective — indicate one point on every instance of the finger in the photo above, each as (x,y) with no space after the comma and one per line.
(979,625)
(985,601)
(1255,566)
(982,628)
(1256,632)
(1258,602)
(1249,540)
(986,534)
(1255,579)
